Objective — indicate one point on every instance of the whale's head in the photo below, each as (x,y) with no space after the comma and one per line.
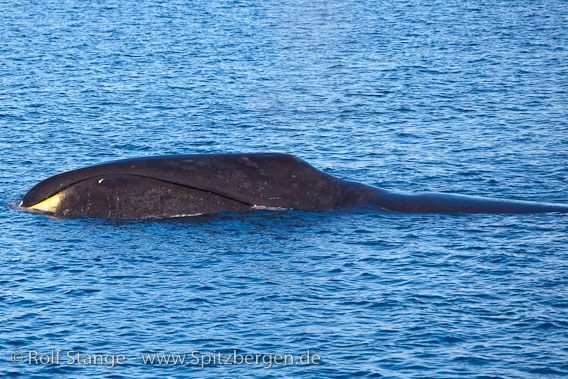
(125,196)
(134,189)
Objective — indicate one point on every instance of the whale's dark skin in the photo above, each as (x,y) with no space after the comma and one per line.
(171,186)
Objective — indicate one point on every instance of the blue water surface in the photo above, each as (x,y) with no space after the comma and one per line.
(451,96)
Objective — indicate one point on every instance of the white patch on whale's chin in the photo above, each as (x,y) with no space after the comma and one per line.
(51,204)
(265,208)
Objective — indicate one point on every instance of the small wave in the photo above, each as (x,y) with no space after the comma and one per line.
(265,208)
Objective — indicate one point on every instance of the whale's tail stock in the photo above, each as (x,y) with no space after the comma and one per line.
(456,204)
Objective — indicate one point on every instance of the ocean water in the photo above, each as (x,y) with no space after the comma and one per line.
(448,96)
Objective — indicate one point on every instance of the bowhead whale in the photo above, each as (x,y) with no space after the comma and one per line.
(170,186)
